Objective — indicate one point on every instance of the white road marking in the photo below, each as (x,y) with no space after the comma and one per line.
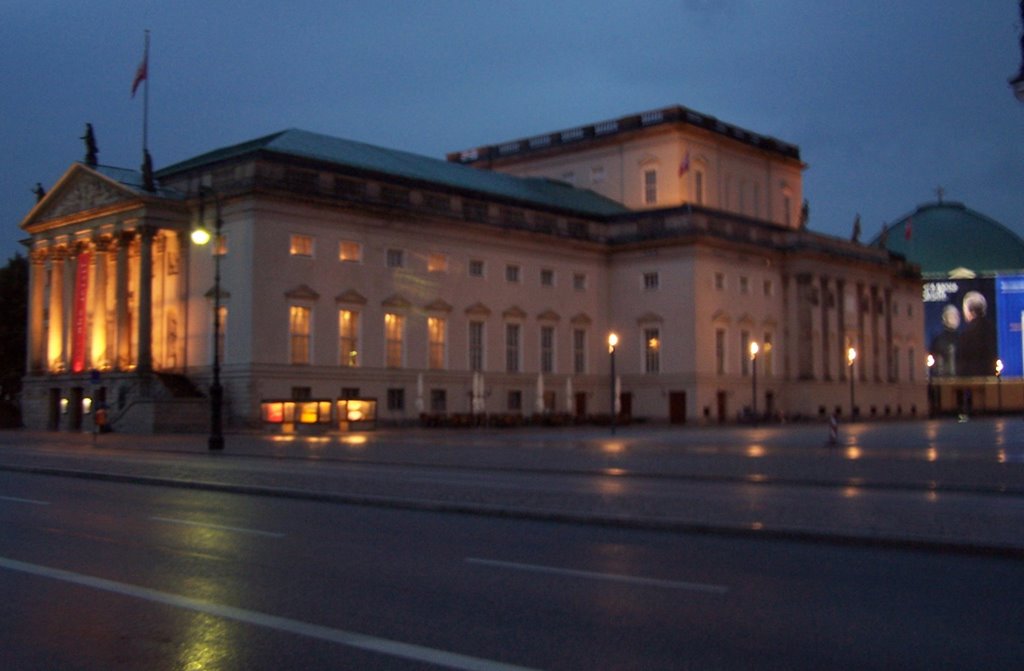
(384,646)
(614,577)
(19,500)
(219,527)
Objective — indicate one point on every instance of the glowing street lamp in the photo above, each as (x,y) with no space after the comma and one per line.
(930,362)
(753,381)
(201,236)
(851,356)
(999,383)
(613,340)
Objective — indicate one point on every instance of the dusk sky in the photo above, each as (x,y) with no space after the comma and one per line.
(886,100)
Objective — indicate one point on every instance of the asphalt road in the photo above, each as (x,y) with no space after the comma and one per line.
(104,575)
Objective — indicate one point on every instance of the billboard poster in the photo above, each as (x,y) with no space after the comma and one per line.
(960,317)
(1010,307)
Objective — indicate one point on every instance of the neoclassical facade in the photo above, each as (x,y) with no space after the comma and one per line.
(485,284)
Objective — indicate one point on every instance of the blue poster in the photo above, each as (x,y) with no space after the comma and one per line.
(1010,307)
(960,317)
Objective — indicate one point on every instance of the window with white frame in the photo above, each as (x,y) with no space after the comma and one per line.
(512,273)
(476,346)
(394,340)
(299,323)
(395,258)
(348,338)
(350,251)
(650,187)
(437,338)
(301,245)
(651,281)
(579,350)
(512,350)
(652,350)
(547,349)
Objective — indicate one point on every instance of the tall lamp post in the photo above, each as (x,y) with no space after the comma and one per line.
(999,384)
(851,356)
(613,340)
(930,361)
(201,236)
(753,380)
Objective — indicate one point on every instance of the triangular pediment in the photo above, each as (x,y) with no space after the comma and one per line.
(303,292)
(351,296)
(80,191)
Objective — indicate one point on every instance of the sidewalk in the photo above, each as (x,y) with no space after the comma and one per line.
(938,484)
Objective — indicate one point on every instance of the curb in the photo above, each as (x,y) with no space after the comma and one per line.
(753,531)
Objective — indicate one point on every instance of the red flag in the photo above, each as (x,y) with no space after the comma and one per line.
(684,167)
(908,229)
(141,73)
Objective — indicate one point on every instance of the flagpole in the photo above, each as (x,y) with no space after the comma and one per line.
(145,101)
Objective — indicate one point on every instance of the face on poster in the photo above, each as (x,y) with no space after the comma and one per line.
(960,327)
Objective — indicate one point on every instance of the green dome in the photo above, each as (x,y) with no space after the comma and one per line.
(945,236)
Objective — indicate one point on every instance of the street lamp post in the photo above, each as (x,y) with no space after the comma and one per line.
(753,380)
(201,236)
(930,361)
(613,340)
(851,356)
(999,384)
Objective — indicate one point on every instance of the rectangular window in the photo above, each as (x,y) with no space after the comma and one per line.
(395,258)
(476,346)
(652,350)
(720,351)
(349,392)
(744,353)
(299,330)
(579,351)
(438,400)
(650,187)
(769,289)
(512,273)
(301,245)
(744,285)
(547,277)
(512,348)
(476,268)
(698,187)
(394,336)
(437,336)
(515,400)
(437,263)
(597,174)
(396,399)
(579,282)
(348,338)
(302,393)
(547,349)
(720,281)
(651,281)
(350,251)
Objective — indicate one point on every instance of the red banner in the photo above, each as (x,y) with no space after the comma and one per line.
(81,315)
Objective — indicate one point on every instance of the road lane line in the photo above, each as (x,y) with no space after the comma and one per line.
(20,500)
(613,577)
(218,527)
(351,639)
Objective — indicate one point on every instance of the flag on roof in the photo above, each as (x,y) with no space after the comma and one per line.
(141,72)
(684,166)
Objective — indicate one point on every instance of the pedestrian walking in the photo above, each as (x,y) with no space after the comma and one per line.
(833,429)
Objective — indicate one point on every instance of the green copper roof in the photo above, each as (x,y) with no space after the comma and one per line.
(360,156)
(945,236)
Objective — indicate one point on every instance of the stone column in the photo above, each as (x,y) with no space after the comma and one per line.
(122,328)
(826,332)
(55,336)
(145,320)
(876,357)
(99,347)
(841,327)
(36,309)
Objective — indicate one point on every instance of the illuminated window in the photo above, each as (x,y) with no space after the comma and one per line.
(476,346)
(301,245)
(220,246)
(437,263)
(512,332)
(652,350)
(350,251)
(765,358)
(547,349)
(348,338)
(394,334)
(579,351)
(395,258)
(437,334)
(650,187)
(299,331)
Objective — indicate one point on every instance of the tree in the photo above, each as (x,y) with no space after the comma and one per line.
(13,326)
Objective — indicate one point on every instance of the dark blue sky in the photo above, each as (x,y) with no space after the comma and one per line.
(887,100)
